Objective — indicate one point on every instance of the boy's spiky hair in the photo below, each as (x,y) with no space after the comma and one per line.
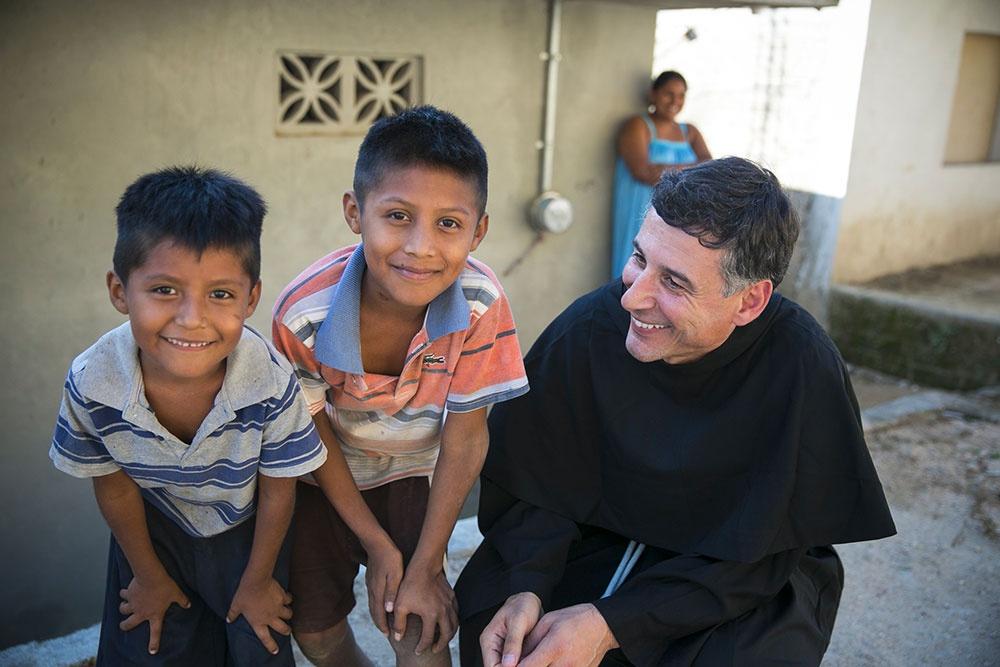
(194,208)
(423,135)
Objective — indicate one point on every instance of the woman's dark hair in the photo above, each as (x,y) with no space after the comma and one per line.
(666,77)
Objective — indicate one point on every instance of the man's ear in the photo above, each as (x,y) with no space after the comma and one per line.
(753,301)
(352,211)
(116,292)
(481,228)
(254,299)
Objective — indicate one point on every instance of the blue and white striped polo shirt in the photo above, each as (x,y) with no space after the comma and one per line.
(259,424)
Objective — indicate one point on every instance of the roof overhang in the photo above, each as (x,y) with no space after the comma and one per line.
(710,4)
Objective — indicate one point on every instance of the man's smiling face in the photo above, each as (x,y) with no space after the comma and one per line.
(675,296)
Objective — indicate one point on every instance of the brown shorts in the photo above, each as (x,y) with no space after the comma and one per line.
(326,553)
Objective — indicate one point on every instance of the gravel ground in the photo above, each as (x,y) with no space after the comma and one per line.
(931,594)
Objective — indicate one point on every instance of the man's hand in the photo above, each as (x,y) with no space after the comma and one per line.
(382,575)
(570,637)
(264,604)
(148,600)
(430,597)
(502,640)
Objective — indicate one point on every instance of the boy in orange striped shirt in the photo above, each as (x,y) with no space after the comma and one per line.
(387,337)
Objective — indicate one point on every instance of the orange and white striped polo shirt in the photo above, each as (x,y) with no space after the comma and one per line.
(465,357)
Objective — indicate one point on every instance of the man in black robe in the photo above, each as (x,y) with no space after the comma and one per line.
(669,490)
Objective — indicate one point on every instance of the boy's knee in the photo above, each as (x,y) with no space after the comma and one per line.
(246,648)
(324,646)
(405,647)
(249,650)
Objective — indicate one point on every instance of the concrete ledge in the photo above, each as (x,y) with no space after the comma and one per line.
(71,649)
(907,337)
(981,405)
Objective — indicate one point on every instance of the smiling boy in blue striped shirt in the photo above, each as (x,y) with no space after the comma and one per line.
(189,424)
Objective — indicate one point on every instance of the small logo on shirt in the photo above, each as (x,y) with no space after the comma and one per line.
(431,359)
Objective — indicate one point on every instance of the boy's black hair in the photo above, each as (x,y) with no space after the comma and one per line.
(194,208)
(423,135)
(738,206)
(666,77)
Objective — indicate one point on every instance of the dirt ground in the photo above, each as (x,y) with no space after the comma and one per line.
(931,594)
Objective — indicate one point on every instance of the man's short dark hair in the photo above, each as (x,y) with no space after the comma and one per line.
(738,206)
(425,136)
(194,208)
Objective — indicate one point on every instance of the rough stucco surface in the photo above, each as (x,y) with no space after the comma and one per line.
(904,208)
(98,93)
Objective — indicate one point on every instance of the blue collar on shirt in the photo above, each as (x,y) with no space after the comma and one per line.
(338,341)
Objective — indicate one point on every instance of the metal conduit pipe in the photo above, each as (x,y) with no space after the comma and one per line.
(552,57)
(550,212)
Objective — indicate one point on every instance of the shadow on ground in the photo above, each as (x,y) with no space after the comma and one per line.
(930,595)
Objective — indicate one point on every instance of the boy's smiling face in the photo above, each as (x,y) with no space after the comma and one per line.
(186,311)
(418,226)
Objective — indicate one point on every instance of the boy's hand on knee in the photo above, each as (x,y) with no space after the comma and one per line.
(148,599)
(266,606)
(431,598)
(382,576)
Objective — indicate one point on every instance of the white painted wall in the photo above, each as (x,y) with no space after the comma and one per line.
(903,207)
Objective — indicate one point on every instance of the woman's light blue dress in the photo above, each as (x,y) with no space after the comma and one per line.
(632,197)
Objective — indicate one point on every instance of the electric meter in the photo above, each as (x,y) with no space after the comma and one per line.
(551,212)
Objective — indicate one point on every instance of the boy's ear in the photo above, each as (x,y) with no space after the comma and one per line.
(116,292)
(753,301)
(352,211)
(254,299)
(481,228)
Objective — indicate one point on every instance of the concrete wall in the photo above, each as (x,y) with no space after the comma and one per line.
(96,93)
(904,208)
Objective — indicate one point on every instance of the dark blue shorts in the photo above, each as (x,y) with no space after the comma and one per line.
(208,570)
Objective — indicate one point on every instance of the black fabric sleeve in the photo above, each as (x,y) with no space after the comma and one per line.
(533,544)
(524,550)
(685,594)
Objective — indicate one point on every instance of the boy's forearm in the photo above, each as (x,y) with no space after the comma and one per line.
(459,463)
(338,485)
(120,502)
(275,504)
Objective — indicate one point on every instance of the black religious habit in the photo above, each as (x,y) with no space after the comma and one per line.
(737,471)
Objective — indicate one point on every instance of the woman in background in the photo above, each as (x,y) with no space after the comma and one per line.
(648,145)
